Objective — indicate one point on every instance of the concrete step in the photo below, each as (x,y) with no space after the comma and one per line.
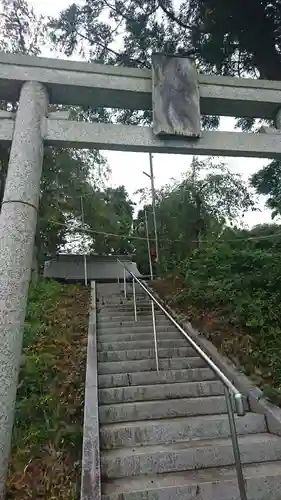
(142,299)
(151,432)
(151,378)
(138,335)
(137,329)
(142,325)
(188,455)
(117,296)
(263,482)
(168,408)
(128,316)
(140,344)
(128,309)
(104,315)
(111,306)
(118,300)
(130,322)
(145,354)
(149,365)
(163,391)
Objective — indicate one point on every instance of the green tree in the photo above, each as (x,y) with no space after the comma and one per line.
(115,216)
(209,198)
(221,36)
(22,31)
(267,181)
(67,174)
(65,178)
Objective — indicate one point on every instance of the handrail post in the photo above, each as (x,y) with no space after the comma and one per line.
(155,335)
(125,284)
(135,302)
(235,445)
(118,272)
(239,405)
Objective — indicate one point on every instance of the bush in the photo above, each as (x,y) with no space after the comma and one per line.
(240,282)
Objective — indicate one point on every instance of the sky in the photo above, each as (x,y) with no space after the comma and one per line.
(127,168)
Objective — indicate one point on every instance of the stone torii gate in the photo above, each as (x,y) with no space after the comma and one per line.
(36,82)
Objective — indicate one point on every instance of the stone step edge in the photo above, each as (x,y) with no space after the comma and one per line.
(194,455)
(165,373)
(169,386)
(176,480)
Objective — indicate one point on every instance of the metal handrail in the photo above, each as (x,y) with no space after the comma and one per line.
(229,388)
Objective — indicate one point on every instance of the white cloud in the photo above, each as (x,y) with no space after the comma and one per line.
(52,7)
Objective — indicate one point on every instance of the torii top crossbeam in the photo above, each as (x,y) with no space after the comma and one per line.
(79,83)
(94,84)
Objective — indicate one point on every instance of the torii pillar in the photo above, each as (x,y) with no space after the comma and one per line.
(18,221)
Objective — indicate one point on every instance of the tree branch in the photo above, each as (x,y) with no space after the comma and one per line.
(173,17)
(110,7)
(130,19)
(21,40)
(112,51)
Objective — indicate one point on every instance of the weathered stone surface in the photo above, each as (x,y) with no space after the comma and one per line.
(80,83)
(131,355)
(141,433)
(17,230)
(263,482)
(150,378)
(149,365)
(90,479)
(157,392)
(114,137)
(188,455)
(175,96)
(165,408)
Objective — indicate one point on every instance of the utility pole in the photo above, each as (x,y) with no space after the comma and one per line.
(148,246)
(153,196)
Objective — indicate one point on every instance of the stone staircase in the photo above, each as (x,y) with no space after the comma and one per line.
(165,436)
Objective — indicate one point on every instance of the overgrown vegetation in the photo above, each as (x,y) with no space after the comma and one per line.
(231,289)
(47,435)
(227,279)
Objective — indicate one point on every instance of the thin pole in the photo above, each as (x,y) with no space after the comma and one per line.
(148,246)
(18,221)
(153,206)
(135,302)
(118,273)
(85,257)
(125,285)
(235,445)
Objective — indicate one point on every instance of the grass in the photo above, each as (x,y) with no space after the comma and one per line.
(47,436)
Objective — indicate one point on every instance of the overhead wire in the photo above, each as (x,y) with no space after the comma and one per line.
(140,238)
(132,237)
